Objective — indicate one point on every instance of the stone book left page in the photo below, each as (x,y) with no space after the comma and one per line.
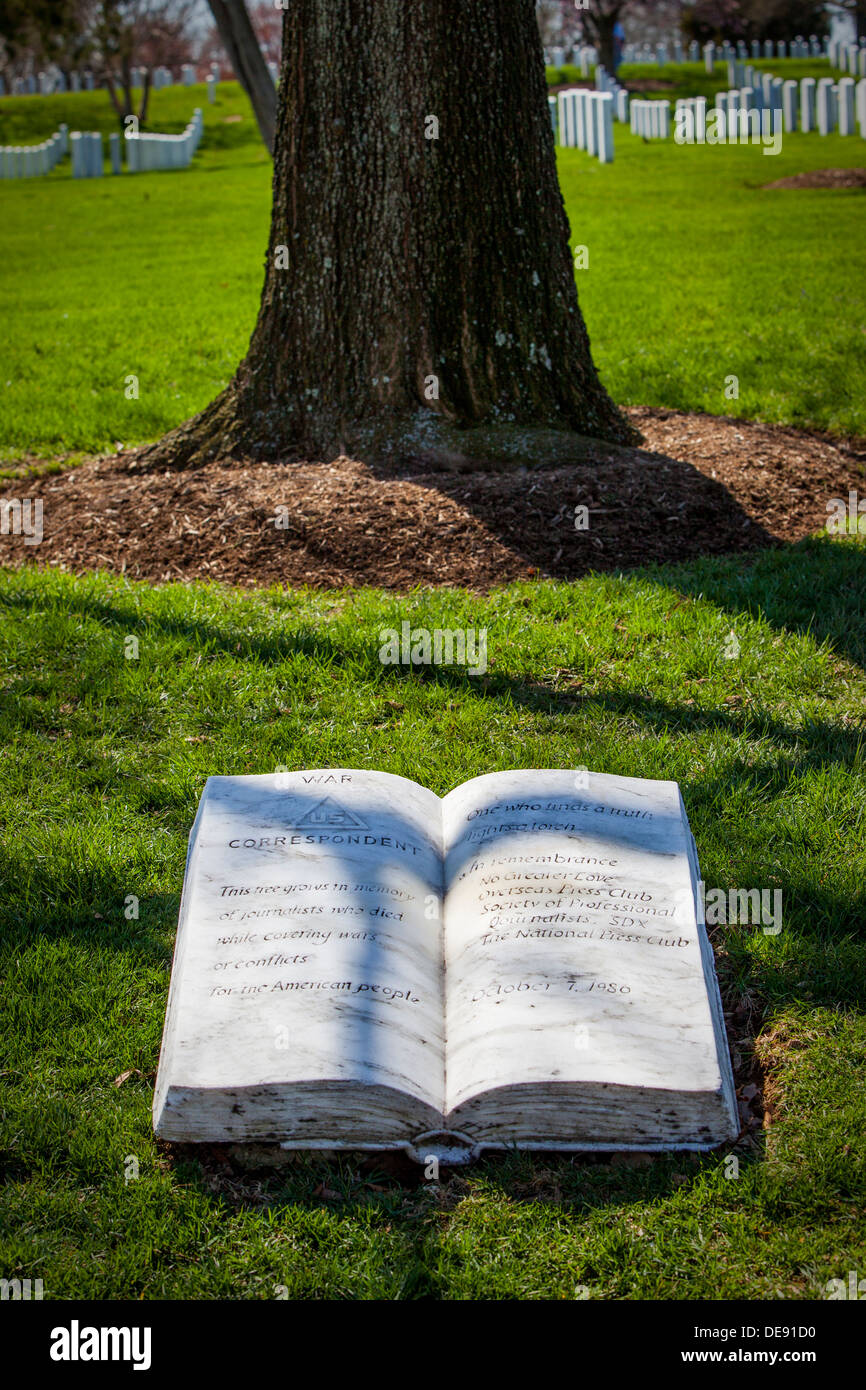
(321,891)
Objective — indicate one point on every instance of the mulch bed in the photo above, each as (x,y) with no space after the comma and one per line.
(823,178)
(701,485)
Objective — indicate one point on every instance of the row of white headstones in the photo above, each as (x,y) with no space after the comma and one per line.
(849,57)
(583,119)
(144,153)
(673,51)
(25,161)
(824,106)
(54,83)
(147,152)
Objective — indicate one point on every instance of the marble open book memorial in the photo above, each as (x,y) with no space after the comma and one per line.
(360,964)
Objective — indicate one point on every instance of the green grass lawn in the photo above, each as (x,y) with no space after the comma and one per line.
(696,273)
(106,757)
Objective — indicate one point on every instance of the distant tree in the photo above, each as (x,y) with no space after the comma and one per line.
(267,21)
(138,33)
(65,32)
(551,21)
(653,21)
(714,19)
(18,33)
(856,9)
(38,34)
(638,18)
(756,19)
(785,19)
(245,55)
(599,21)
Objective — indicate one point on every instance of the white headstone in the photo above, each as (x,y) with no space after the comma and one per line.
(807,104)
(605,128)
(846,106)
(592,123)
(789,105)
(824,106)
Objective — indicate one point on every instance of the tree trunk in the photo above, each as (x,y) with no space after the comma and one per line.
(601,27)
(416,287)
(605,43)
(145,97)
(245,55)
(121,109)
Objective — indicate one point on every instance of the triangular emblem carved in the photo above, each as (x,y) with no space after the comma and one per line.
(330,815)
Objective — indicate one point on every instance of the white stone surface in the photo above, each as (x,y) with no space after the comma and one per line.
(304,911)
(573,953)
(358,962)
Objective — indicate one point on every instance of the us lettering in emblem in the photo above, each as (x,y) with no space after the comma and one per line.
(330,815)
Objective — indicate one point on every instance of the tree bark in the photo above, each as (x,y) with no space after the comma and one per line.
(600,25)
(605,43)
(419,294)
(145,97)
(245,55)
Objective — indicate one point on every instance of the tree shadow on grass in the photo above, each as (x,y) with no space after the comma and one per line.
(353,1184)
(816,587)
(818,593)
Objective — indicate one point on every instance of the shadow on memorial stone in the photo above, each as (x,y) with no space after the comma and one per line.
(808,748)
(308,1179)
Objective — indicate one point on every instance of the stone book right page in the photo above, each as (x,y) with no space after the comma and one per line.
(582,1007)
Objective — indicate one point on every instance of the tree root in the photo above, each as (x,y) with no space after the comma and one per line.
(426,438)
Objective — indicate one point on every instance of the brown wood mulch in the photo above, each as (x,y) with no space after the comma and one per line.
(701,485)
(823,178)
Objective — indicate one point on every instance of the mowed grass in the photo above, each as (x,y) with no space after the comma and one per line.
(105,757)
(696,274)
(699,274)
(156,276)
